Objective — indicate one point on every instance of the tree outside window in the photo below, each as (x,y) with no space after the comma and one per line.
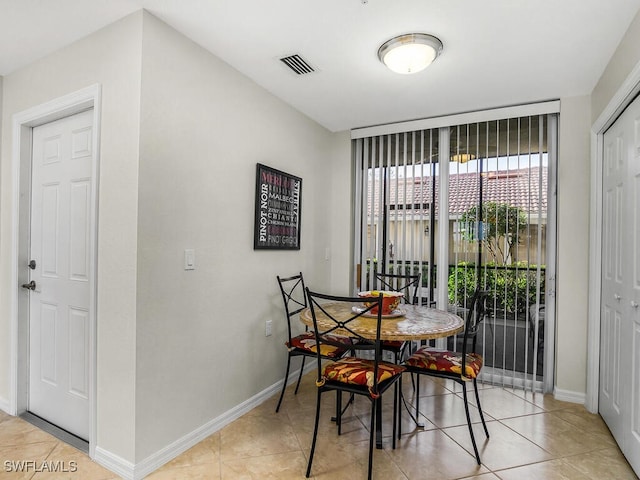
(499,230)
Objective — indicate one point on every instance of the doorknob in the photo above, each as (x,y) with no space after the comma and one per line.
(634,304)
(616,296)
(29,286)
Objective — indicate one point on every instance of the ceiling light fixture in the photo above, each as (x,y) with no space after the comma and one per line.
(410,53)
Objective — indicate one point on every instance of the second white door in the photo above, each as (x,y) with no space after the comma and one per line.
(619,396)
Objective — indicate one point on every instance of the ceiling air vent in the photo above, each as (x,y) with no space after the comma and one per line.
(298,64)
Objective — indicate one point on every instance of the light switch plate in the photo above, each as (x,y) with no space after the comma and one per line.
(189,259)
(267,330)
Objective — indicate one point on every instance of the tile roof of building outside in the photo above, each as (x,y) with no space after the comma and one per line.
(523,188)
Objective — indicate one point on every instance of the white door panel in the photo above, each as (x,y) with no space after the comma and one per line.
(611,379)
(633,243)
(59,305)
(620,319)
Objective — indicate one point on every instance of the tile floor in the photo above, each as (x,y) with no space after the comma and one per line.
(533,436)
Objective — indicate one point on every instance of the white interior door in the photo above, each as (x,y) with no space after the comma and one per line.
(619,396)
(633,244)
(59,313)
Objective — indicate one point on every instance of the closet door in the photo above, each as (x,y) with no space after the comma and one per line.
(620,319)
(633,243)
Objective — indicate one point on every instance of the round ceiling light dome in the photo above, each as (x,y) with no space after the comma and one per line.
(410,53)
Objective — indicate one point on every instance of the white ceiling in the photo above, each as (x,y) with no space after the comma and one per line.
(496,52)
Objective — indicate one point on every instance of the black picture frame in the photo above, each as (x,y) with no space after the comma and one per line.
(278,210)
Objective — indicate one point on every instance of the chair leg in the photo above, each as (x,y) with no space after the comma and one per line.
(315,433)
(351,399)
(284,385)
(378,404)
(417,399)
(400,409)
(339,411)
(396,395)
(475,387)
(344,409)
(300,375)
(466,409)
(400,355)
(372,434)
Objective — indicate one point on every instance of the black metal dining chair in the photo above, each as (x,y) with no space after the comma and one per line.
(369,378)
(303,345)
(408,285)
(461,367)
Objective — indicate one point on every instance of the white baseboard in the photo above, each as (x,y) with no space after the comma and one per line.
(137,471)
(5,406)
(116,464)
(569,396)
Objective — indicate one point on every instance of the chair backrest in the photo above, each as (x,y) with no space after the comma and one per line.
(293,295)
(476,314)
(407,284)
(335,315)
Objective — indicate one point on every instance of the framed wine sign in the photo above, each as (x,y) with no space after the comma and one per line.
(278,210)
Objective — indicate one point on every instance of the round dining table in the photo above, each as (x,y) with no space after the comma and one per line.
(408,322)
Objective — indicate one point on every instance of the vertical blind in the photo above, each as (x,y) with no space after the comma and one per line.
(397,194)
(497,230)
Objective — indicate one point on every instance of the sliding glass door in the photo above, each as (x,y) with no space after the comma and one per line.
(493,230)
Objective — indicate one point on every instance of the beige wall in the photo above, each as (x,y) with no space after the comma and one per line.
(181,135)
(201,348)
(573,245)
(1,94)
(110,57)
(624,60)
(339,214)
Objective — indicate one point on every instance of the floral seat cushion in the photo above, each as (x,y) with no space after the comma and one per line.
(307,341)
(428,358)
(359,371)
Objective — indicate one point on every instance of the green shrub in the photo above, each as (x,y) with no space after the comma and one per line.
(512,289)
(462,283)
